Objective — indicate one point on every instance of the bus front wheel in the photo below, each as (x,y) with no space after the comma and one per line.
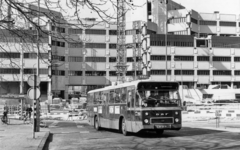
(124,127)
(96,123)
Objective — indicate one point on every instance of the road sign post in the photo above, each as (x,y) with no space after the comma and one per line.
(34,94)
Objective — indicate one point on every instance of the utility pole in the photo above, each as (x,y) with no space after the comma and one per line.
(37,72)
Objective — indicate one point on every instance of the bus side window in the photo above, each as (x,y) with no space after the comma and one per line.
(96,98)
(130,102)
(89,98)
(106,96)
(123,95)
(112,96)
(118,95)
(133,97)
(137,100)
(129,98)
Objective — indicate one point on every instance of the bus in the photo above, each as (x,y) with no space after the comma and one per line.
(136,106)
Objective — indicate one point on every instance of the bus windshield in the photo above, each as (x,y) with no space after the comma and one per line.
(159,98)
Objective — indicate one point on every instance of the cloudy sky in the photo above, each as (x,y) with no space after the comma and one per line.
(209,6)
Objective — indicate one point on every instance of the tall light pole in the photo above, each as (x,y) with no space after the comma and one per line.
(181,76)
(166,32)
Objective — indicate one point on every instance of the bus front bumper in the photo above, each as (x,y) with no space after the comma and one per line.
(163,126)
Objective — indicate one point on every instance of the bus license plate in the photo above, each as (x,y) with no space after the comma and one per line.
(163,126)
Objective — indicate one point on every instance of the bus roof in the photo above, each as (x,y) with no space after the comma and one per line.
(127,84)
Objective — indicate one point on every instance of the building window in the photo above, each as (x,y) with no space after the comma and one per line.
(74,31)
(228,24)
(59,58)
(184,58)
(160,72)
(203,72)
(208,23)
(95,59)
(132,73)
(75,45)
(112,59)
(9,71)
(9,55)
(58,43)
(178,20)
(95,73)
(194,21)
(75,59)
(172,43)
(75,73)
(95,31)
(184,72)
(112,32)
(221,58)
(34,55)
(237,72)
(95,45)
(160,57)
(58,72)
(237,59)
(112,46)
(58,29)
(130,32)
(131,59)
(203,58)
(222,72)
(34,71)
(112,73)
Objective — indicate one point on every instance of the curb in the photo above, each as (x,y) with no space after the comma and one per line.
(43,141)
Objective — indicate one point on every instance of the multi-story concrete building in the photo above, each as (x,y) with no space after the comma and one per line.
(197,53)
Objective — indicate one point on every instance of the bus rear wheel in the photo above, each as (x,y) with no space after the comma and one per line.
(96,123)
(159,132)
(124,127)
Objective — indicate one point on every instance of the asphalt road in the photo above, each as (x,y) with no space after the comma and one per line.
(71,135)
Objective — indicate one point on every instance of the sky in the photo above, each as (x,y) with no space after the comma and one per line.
(209,6)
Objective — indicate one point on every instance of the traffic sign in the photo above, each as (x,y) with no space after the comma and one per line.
(30,93)
(31,80)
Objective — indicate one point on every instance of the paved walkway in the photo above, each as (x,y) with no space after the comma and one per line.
(19,136)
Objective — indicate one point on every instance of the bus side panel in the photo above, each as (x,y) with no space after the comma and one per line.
(90,115)
(104,121)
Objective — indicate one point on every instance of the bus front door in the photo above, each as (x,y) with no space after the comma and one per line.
(130,112)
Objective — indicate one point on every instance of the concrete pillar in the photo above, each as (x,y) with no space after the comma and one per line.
(49,92)
(195,85)
(232,86)
(66,93)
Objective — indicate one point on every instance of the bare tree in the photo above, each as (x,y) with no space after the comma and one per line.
(25,23)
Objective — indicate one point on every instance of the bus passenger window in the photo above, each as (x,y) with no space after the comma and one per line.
(123,95)
(96,98)
(130,102)
(112,96)
(118,95)
(138,101)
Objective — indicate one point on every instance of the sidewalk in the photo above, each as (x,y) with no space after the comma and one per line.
(226,124)
(19,136)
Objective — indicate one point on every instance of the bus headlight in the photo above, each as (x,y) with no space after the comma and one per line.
(176,112)
(176,120)
(146,121)
(146,113)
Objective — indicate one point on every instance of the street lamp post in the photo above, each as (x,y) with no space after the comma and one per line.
(181,76)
